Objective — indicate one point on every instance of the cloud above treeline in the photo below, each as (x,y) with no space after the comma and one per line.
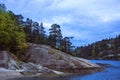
(87,20)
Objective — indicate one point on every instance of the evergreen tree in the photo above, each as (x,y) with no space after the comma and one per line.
(66,45)
(28,29)
(42,36)
(55,36)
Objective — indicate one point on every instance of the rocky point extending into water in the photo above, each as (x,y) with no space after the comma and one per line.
(43,61)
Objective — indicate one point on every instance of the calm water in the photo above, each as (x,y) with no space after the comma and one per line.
(111,73)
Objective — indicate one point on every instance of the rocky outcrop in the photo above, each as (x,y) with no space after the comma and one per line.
(11,66)
(43,61)
(55,59)
(32,69)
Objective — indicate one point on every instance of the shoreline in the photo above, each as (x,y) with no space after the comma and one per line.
(49,76)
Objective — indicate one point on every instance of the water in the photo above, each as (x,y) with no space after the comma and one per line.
(111,72)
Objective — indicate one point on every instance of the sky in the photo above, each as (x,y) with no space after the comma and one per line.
(86,20)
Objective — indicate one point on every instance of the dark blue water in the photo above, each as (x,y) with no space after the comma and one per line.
(111,72)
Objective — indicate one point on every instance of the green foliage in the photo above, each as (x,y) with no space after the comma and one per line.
(18,43)
(6,28)
(12,36)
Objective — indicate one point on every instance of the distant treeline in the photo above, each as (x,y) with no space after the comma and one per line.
(105,49)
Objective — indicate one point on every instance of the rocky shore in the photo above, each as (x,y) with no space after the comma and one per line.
(66,75)
(44,63)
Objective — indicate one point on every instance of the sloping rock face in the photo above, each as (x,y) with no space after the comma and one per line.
(55,59)
(9,63)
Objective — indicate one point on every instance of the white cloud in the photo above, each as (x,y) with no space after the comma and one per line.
(57,19)
(61,19)
(91,8)
(105,19)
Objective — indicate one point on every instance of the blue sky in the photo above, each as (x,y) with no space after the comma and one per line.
(87,20)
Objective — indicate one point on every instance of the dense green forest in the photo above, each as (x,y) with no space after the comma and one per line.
(105,49)
(15,33)
(12,36)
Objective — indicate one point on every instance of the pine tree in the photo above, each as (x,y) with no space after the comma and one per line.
(28,29)
(66,45)
(55,36)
